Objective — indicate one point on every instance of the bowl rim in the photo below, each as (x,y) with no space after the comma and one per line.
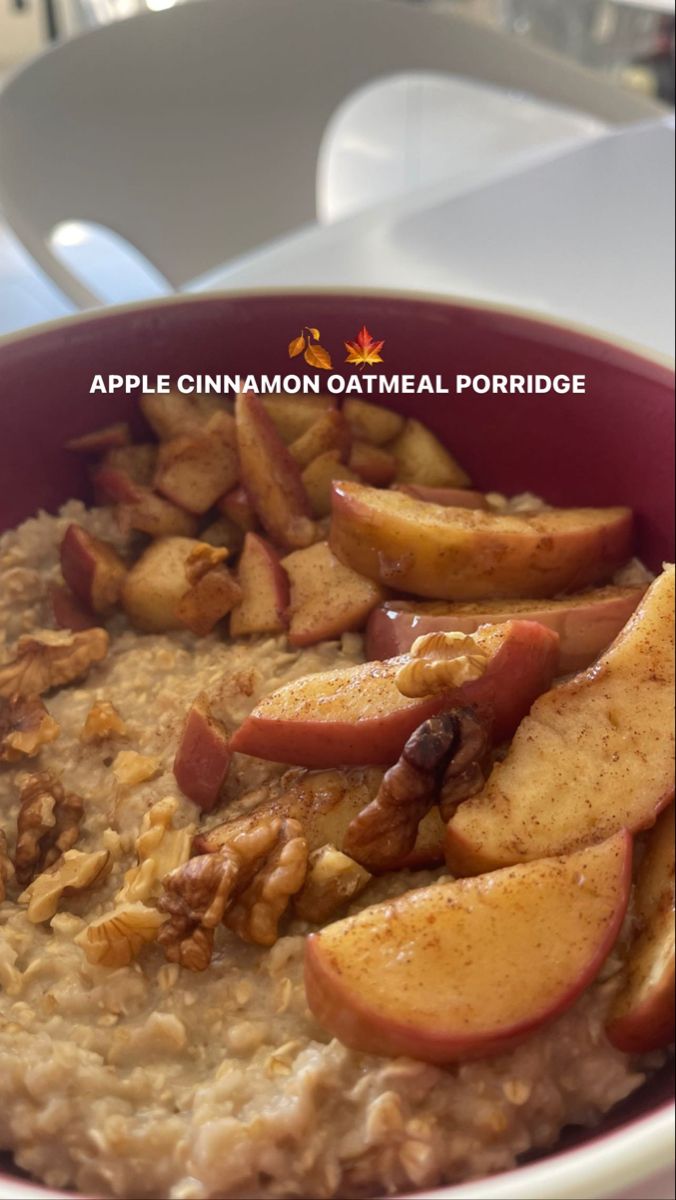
(639,1147)
(578,329)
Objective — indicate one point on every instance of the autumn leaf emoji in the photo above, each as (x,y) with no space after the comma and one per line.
(307,344)
(364,350)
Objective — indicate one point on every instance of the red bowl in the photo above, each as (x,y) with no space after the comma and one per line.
(612,445)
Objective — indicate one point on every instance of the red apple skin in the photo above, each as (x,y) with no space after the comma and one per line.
(338,997)
(585,629)
(236,505)
(99,440)
(271,476)
(203,757)
(449,497)
(521,668)
(265,590)
(92,569)
(68,611)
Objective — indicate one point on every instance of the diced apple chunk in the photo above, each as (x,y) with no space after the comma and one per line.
(642,1016)
(371,422)
(319,477)
(100,440)
(327,599)
(123,472)
(264,590)
(195,469)
(161,593)
(329,432)
(92,568)
(421,458)
(68,611)
(271,477)
(293,415)
(467,969)
(237,507)
(372,464)
(596,754)
(208,600)
(156,516)
(466,554)
(175,414)
(203,756)
(358,715)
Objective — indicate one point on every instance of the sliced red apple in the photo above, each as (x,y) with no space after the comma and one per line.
(586,622)
(155,515)
(357,715)
(421,458)
(467,969)
(642,1017)
(372,464)
(318,479)
(372,422)
(595,754)
(329,432)
(327,599)
(447,497)
(271,477)
(100,440)
(92,568)
(237,507)
(69,612)
(194,469)
(203,756)
(265,590)
(122,469)
(466,554)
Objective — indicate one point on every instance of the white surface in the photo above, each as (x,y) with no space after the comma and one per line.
(586,236)
(415,129)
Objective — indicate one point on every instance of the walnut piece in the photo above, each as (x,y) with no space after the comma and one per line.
(246,884)
(48,824)
(25,726)
(6,867)
(332,879)
(131,768)
(470,766)
(202,559)
(51,658)
(115,939)
(384,832)
(160,849)
(74,872)
(439,661)
(103,721)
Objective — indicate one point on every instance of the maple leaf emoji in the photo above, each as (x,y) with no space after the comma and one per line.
(364,350)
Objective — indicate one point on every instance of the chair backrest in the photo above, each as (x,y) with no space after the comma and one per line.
(193,132)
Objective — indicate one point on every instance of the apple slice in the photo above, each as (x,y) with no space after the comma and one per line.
(210,597)
(203,756)
(69,612)
(176,584)
(469,968)
(237,507)
(329,432)
(447,497)
(642,1017)
(327,599)
(123,471)
(152,514)
(586,622)
(357,715)
(421,458)
(292,416)
(92,569)
(271,477)
(371,422)
(175,414)
(372,464)
(265,590)
(462,554)
(318,479)
(100,440)
(194,469)
(595,755)
(325,803)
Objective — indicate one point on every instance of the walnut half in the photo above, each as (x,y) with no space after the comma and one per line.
(48,824)
(74,872)
(51,658)
(115,939)
(25,726)
(6,867)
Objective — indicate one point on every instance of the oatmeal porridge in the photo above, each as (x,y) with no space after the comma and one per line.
(280,716)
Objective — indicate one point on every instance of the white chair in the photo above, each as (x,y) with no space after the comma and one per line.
(193,133)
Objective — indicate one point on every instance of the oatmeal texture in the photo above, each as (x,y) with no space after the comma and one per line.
(146,1080)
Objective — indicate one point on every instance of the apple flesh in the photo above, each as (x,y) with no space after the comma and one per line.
(100,440)
(195,469)
(595,755)
(264,588)
(175,414)
(69,612)
(372,464)
(203,756)
(271,477)
(123,471)
(327,599)
(158,594)
(325,803)
(318,479)
(642,1017)
(292,416)
(468,968)
(371,422)
(586,622)
(329,432)
(237,507)
(465,554)
(447,497)
(357,715)
(208,600)
(155,515)
(421,458)
(92,569)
